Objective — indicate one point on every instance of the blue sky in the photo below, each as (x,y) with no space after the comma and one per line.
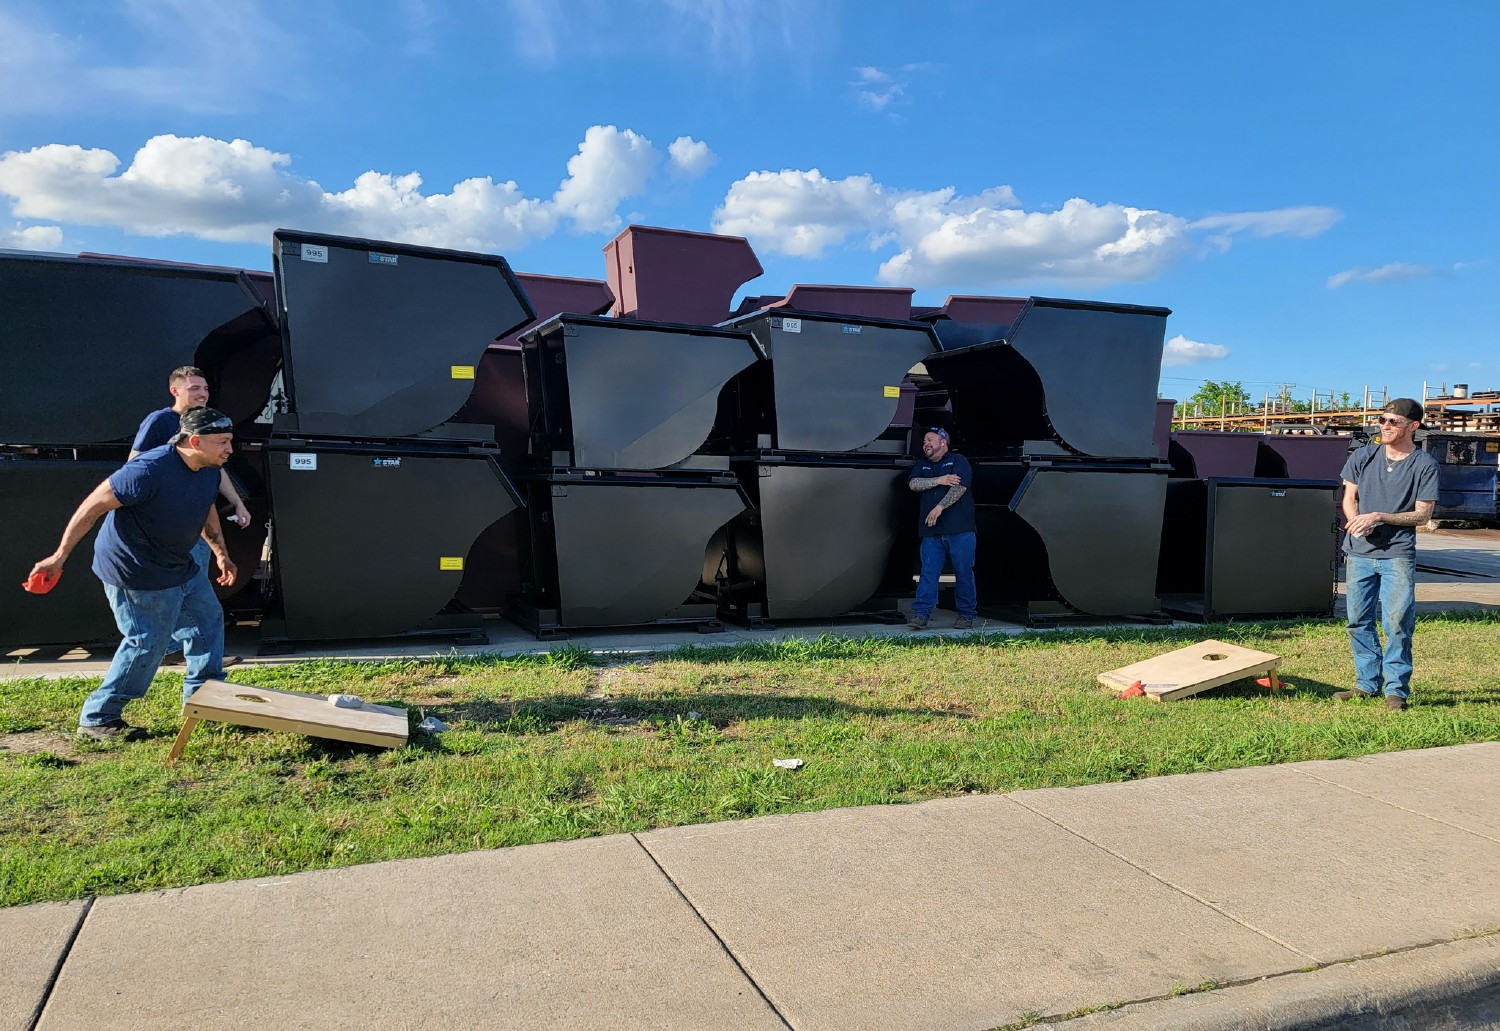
(1311,187)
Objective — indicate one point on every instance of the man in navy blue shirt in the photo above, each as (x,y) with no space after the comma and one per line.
(188,386)
(1390,488)
(155,507)
(946,526)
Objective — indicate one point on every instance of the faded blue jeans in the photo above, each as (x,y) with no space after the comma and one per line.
(149,622)
(204,556)
(957,548)
(1385,587)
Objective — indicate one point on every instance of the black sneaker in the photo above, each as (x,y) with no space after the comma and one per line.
(1395,702)
(1351,696)
(917,623)
(962,623)
(114,730)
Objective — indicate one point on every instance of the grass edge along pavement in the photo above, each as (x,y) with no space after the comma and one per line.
(566,744)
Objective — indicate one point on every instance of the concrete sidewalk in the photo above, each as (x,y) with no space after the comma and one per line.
(1327,894)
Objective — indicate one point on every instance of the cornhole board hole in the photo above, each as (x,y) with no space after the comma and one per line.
(1198,667)
(311,715)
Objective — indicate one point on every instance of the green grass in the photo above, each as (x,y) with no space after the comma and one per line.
(565,746)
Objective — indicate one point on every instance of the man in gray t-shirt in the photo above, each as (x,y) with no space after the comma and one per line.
(1389,490)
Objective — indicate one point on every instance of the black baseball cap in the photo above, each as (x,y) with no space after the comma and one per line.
(1405,407)
(198,422)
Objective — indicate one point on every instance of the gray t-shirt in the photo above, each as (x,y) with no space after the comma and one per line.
(1384,487)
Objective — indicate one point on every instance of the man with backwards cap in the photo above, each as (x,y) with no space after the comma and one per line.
(155,508)
(188,386)
(1389,490)
(946,527)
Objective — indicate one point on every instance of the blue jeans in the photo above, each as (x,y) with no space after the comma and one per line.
(149,622)
(957,548)
(1387,587)
(204,556)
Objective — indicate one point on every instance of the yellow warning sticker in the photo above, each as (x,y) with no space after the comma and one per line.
(892,391)
(462,371)
(451,562)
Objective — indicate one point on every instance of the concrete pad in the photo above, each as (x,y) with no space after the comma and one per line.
(580,934)
(1330,872)
(32,940)
(962,913)
(1453,985)
(1456,785)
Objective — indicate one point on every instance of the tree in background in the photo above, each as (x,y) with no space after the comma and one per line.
(1216,398)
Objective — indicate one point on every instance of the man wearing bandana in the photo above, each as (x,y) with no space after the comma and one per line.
(946,526)
(155,508)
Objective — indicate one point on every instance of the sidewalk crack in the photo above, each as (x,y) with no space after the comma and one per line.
(710,928)
(67,949)
(1209,904)
(1396,805)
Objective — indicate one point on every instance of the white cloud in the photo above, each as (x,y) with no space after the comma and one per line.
(1301,222)
(947,239)
(32,238)
(1395,272)
(237,191)
(689,157)
(610,166)
(878,89)
(1182,351)
(801,213)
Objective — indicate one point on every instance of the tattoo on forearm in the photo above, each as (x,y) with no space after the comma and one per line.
(1407,519)
(922,483)
(950,498)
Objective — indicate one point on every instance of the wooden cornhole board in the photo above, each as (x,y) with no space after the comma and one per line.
(1195,668)
(289,712)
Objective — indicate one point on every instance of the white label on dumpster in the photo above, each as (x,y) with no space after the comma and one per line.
(792,325)
(312,253)
(308,462)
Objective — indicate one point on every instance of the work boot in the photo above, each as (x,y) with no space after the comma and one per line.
(916,622)
(963,623)
(114,730)
(1351,696)
(1395,702)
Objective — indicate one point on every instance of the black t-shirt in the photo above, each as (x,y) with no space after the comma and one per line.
(960,517)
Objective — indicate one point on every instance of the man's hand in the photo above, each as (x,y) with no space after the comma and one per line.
(241,517)
(50,567)
(228,572)
(950,480)
(932,517)
(1365,522)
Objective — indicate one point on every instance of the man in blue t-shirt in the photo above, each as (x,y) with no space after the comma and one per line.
(946,526)
(188,386)
(1389,490)
(155,507)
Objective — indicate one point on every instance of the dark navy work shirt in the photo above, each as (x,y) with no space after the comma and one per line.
(157,429)
(960,517)
(147,545)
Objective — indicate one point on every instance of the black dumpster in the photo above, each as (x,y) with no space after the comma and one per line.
(1069,378)
(823,540)
(40,495)
(86,345)
(833,384)
(1067,540)
(619,551)
(382,339)
(373,540)
(1242,548)
(621,394)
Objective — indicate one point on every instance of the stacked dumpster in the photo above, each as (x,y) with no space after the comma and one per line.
(86,348)
(378,494)
(1054,404)
(821,439)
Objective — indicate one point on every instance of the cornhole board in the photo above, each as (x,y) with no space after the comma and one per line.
(312,715)
(1195,668)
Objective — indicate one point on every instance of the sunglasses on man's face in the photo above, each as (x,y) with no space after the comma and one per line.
(1392,420)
